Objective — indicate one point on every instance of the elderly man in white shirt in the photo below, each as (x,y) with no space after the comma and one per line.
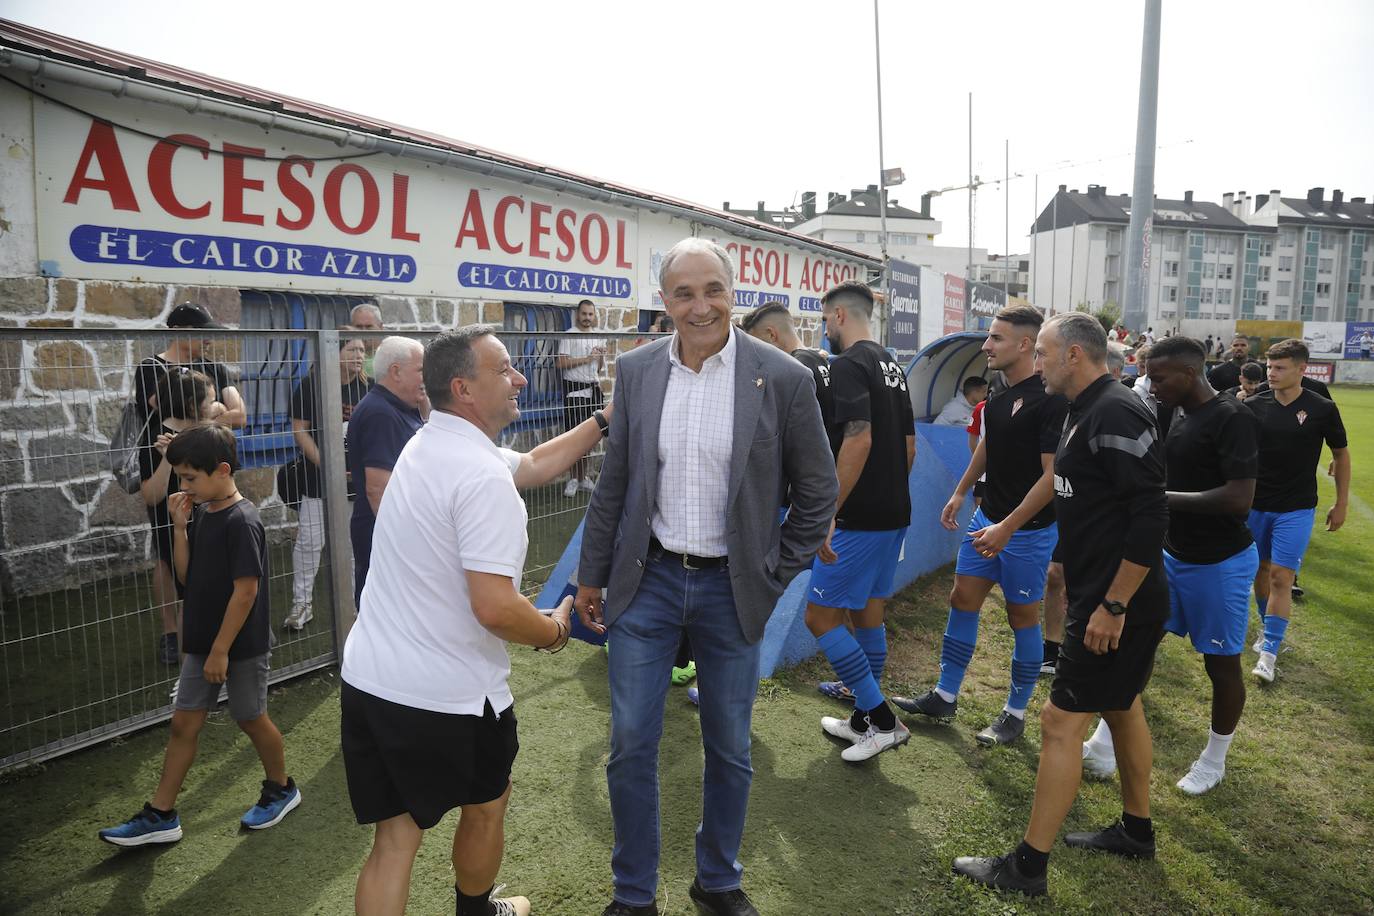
(428,718)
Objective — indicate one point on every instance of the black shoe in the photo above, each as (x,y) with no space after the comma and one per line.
(1113,839)
(1298,590)
(932,706)
(1005,729)
(617,908)
(722,903)
(1000,873)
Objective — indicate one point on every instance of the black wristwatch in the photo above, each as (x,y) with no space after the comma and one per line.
(1116,608)
(602,422)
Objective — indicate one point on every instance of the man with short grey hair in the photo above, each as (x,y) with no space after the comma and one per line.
(365,316)
(382,423)
(711,427)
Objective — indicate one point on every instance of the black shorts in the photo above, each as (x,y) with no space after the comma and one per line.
(580,410)
(1084,682)
(399,759)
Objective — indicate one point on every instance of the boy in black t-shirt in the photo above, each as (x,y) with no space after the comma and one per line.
(220,554)
(873,437)
(1212,460)
(1294,422)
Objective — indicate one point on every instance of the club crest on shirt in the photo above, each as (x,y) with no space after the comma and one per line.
(1302,417)
(1016,405)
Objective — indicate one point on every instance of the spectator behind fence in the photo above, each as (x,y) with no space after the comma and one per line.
(226,407)
(367,317)
(184,396)
(428,719)
(959,410)
(305,402)
(220,552)
(582,360)
(381,425)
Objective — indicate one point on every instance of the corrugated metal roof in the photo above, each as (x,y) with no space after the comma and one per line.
(71,50)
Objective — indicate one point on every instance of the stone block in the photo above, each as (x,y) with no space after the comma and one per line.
(35,418)
(424,311)
(112,354)
(99,416)
(52,323)
(467,313)
(443,313)
(11,356)
(103,542)
(116,508)
(11,463)
(120,300)
(256,484)
(397,313)
(34,572)
(493,313)
(65,295)
(36,516)
(64,456)
(62,365)
(224,303)
(83,491)
(24,295)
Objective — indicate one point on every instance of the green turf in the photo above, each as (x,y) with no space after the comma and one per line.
(1291,829)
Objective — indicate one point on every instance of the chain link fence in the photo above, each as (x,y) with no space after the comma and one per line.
(86,596)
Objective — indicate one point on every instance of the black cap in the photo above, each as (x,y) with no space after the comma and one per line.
(187,315)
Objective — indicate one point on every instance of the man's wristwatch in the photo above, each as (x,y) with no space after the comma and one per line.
(1116,608)
(603,423)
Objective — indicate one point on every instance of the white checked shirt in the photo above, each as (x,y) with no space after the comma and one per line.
(696,434)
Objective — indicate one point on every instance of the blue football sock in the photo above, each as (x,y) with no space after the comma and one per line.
(1263,605)
(1026,657)
(873,640)
(1274,629)
(851,666)
(961,635)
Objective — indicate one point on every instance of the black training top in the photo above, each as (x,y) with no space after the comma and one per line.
(1310,384)
(305,403)
(1226,375)
(1022,423)
(819,365)
(1109,498)
(1217,442)
(870,385)
(1291,440)
(225,545)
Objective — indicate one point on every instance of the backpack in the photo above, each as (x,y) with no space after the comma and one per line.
(121,458)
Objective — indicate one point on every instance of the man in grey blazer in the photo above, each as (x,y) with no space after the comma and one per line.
(710,428)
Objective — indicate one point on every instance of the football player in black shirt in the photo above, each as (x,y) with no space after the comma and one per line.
(1212,460)
(1012,535)
(1294,422)
(772,324)
(873,437)
(1227,375)
(1112,514)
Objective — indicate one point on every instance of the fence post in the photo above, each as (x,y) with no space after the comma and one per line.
(334,474)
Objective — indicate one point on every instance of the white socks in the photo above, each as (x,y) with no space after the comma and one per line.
(1018,713)
(1214,755)
(1101,741)
(946,695)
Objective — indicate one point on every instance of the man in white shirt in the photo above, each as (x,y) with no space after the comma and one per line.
(428,718)
(959,410)
(583,360)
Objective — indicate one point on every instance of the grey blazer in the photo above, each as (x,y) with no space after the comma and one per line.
(779,442)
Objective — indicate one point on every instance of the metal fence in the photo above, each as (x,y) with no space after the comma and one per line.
(83,601)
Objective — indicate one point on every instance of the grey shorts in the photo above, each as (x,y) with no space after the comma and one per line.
(247,684)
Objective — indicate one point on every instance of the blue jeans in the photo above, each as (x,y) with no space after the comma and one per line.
(644,641)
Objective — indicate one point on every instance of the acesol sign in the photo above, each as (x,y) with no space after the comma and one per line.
(206,200)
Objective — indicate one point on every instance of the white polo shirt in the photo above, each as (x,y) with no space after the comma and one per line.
(451,506)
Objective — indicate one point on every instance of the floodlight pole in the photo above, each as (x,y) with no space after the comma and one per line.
(886,308)
(1135,307)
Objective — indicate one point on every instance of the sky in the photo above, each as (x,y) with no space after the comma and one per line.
(752,100)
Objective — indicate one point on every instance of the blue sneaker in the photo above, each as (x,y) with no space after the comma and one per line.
(147,826)
(274,804)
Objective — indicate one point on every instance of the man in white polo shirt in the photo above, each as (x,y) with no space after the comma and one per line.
(428,718)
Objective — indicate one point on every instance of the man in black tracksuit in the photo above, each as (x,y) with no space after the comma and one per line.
(1113,515)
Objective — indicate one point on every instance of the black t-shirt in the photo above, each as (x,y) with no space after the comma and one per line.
(1022,423)
(1109,499)
(150,459)
(819,365)
(225,545)
(870,385)
(1310,384)
(1291,440)
(1215,443)
(152,369)
(304,405)
(1226,375)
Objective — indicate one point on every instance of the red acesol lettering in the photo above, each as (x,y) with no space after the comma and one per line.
(102,148)
(333,198)
(567,241)
(400,193)
(538,229)
(474,224)
(160,175)
(235,183)
(502,208)
(295,192)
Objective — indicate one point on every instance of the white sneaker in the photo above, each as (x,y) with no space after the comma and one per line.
(587,485)
(300,615)
(1265,668)
(1258,647)
(1098,766)
(571,489)
(840,728)
(1201,778)
(875,741)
